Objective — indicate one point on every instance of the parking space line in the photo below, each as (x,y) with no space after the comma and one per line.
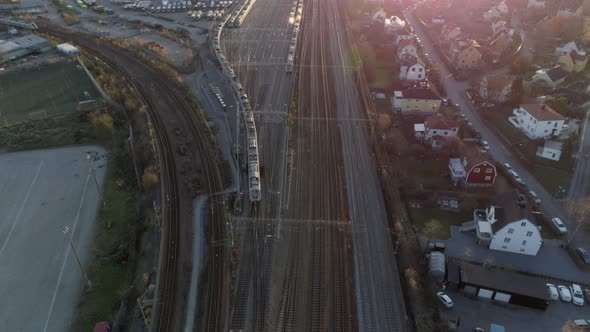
(63,265)
(22,207)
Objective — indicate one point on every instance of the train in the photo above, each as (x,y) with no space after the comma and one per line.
(241,14)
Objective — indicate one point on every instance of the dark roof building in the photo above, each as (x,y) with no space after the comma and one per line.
(420,93)
(556,73)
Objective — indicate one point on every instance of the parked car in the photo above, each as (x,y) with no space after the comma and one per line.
(577,295)
(584,255)
(522,201)
(581,323)
(559,226)
(553,294)
(564,293)
(516,177)
(535,197)
(445,299)
(485,145)
(508,166)
(587,292)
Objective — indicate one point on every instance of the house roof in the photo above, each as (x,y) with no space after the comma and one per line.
(500,217)
(542,112)
(405,42)
(577,56)
(456,164)
(502,280)
(553,145)
(556,73)
(420,93)
(439,122)
(410,60)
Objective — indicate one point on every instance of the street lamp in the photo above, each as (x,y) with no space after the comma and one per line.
(95,181)
(67,235)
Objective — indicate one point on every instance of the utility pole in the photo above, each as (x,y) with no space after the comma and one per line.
(95,180)
(67,234)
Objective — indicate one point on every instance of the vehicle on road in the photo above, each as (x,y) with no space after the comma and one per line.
(522,201)
(587,293)
(564,293)
(577,295)
(584,255)
(507,166)
(581,323)
(559,226)
(535,197)
(444,299)
(553,294)
(485,145)
(516,177)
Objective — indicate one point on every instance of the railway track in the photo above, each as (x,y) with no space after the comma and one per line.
(147,80)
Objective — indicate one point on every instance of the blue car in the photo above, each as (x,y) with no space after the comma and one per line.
(584,255)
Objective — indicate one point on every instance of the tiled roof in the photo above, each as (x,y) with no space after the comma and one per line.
(420,93)
(542,112)
(439,122)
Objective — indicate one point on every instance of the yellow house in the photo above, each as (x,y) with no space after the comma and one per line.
(573,62)
(416,100)
(466,54)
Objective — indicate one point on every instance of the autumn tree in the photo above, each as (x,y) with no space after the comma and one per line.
(516,91)
(578,212)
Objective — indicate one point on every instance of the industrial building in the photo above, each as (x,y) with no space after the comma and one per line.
(498,285)
(67,49)
(18,47)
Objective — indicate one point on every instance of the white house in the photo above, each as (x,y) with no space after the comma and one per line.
(520,237)
(406,47)
(393,24)
(536,4)
(550,150)
(437,128)
(412,69)
(537,121)
(380,15)
(567,48)
(551,77)
(402,35)
(419,131)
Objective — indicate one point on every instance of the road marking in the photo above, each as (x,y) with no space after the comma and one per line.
(22,207)
(63,265)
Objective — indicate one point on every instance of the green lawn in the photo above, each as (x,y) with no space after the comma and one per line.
(553,179)
(423,218)
(43,92)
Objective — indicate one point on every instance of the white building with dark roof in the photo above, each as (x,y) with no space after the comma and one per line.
(412,69)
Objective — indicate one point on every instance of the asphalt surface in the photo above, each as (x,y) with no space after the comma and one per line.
(45,191)
(456,91)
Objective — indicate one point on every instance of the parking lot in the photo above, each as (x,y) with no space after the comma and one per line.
(41,192)
(480,313)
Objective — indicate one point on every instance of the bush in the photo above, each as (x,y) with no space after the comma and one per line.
(149,178)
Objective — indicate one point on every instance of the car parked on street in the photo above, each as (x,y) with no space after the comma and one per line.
(445,299)
(577,295)
(516,177)
(584,255)
(535,197)
(485,145)
(559,226)
(553,294)
(564,293)
(507,166)
(587,292)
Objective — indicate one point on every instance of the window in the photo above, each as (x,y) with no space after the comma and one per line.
(510,230)
(434,132)
(488,178)
(419,75)
(553,154)
(506,240)
(413,70)
(524,242)
(546,130)
(522,250)
(523,223)
(529,234)
(476,170)
(489,170)
(504,247)
(548,122)
(446,132)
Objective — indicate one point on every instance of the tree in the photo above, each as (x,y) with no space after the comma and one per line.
(578,212)
(516,91)
(520,65)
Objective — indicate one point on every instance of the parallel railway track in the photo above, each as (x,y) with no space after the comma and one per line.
(147,81)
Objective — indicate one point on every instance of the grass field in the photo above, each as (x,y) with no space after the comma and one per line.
(43,92)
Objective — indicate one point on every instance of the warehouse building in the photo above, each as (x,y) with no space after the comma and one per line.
(499,285)
(18,47)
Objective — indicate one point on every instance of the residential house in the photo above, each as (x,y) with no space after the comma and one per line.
(450,31)
(539,4)
(438,19)
(474,171)
(393,24)
(520,237)
(537,121)
(550,150)
(438,129)
(495,87)
(496,11)
(419,131)
(573,62)
(412,69)
(550,77)
(570,8)
(403,35)
(416,100)
(493,230)
(379,16)
(567,48)
(465,54)
(406,47)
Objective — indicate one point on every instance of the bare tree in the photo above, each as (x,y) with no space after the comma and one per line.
(578,212)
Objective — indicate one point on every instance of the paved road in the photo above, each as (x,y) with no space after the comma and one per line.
(456,91)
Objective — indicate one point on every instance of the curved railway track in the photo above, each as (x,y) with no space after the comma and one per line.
(172,103)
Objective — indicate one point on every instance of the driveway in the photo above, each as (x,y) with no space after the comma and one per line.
(456,91)
(551,261)
(480,313)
